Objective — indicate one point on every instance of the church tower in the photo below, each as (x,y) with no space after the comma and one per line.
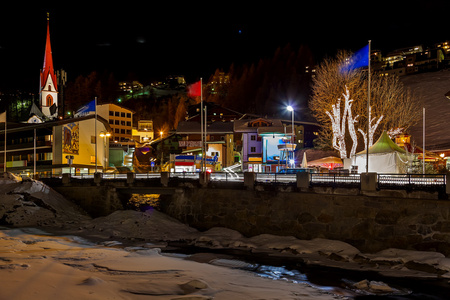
(48,88)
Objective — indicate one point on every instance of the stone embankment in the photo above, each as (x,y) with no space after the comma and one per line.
(369,222)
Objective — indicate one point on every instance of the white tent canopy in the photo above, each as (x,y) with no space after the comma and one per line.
(384,157)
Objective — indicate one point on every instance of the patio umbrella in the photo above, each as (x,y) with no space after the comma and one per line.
(304,161)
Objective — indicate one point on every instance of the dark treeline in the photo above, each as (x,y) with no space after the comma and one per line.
(264,88)
(85,88)
(267,87)
(165,112)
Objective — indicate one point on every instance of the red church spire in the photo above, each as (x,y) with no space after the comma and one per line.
(48,60)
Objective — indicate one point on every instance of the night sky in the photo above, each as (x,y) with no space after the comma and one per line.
(162,39)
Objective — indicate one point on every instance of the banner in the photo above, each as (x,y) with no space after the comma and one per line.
(71,138)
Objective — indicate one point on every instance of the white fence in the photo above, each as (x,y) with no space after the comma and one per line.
(323,179)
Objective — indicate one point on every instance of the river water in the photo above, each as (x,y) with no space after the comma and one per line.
(333,280)
(336,281)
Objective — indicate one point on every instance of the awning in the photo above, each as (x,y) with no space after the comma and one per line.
(192,150)
(329,162)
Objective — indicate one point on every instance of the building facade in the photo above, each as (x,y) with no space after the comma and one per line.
(219,141)
(143,133)
(47,147)
(267,145)
(120,120)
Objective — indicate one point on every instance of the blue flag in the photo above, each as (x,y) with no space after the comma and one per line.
(358,60)
(85,109)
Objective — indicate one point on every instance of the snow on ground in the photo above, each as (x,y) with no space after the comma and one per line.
(42,267)
(32,203)
(65,266)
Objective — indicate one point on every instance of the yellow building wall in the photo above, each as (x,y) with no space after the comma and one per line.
(116,132)
(84,152)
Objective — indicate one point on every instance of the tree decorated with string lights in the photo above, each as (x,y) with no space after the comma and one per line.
(339,103)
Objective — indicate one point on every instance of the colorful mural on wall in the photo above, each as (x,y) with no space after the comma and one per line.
(71,138)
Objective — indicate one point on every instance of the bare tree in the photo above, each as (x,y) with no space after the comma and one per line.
(392,107)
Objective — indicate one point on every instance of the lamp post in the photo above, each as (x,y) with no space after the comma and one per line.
(104,135)
(162,150)
(291,109)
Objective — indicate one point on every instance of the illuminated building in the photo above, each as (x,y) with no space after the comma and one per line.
(48,85)
(121,121)
(144,131)
(47,145)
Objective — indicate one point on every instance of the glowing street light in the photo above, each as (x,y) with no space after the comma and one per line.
(105,135)
(291,109)
(162,149)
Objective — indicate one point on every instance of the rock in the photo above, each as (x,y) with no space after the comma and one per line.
(380,287)
(362,285)
(373,286)
(111,243)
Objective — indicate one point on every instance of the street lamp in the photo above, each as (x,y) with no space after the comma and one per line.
(104,135)
(162,150)
(291,109)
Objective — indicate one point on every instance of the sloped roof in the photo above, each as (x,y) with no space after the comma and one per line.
(47,69)
(384,145)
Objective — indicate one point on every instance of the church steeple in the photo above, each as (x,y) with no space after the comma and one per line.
(49,90)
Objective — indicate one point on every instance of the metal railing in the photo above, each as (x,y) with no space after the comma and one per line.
(411,180)
(184,175)
(384,181)
(226,177)
(335,179)
(275,178)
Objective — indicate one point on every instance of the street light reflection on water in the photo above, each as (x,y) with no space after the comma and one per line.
(144,202)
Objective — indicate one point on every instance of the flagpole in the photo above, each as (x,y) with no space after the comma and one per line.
(206,119)
(34,155)
(368,109)
(4,155)
(201,123)
(423,133)
(95,126)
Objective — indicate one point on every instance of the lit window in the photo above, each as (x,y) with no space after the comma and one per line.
(49,100)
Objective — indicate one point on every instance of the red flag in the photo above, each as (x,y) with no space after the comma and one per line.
(195,89)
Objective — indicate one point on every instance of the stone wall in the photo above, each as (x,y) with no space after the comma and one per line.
(96,200)
(369,222)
